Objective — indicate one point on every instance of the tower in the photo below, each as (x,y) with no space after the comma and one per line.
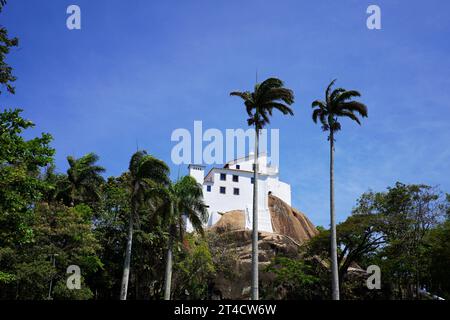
(197,172)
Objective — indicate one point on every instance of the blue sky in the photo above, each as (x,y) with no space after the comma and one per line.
(135,72)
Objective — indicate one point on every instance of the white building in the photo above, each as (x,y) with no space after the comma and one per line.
(231,188)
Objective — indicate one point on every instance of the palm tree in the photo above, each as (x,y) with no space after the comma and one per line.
(180,201)
(337,104)
(145,172)
(259,104)
(83,179)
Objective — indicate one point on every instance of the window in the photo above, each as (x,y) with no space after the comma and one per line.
(235,178)
(252,180)
(222,190)
(223,176)
(238,166)
(253,167)
(208,188)
(236,191)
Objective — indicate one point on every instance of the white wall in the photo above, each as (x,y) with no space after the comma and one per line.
(280,189)
(244,201)
(221,203)
(197,172)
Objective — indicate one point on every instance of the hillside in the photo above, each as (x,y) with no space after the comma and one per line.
(231,244)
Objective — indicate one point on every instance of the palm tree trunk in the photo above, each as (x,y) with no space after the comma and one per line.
(126,265)
(255,293)
(334,263)
(168,276)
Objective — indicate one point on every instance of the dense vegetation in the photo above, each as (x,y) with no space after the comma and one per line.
(122,231)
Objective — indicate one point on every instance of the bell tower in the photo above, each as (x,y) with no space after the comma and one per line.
(197,172)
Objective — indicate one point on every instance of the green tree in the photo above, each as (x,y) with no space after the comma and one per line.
(359,235)
(180,201)
(293,279)
(337,104)
(194,268)
(83,180)
(398,223)
(437,260)
(64,233)
(20,187)
(67,233)
(147,176)
(6,43)
(149,243)
(409,212)
(111,221)
(267,96)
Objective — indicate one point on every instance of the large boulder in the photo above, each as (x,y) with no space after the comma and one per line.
(232,252)
(231,246)
(289,221)
(230,221)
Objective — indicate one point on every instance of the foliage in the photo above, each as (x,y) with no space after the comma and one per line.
(294,279)
(338,103)
(400,230)
(357,236)
(436,258)
(58,230)
(6,43)
(267,96)
(180,201)
(194,269)
(148,177)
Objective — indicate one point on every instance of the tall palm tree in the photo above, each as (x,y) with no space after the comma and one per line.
(180,201)
(267,96)
(83,179)
(337,104)
(145,172)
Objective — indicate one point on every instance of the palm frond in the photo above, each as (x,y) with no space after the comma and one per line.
(327,92)
(249,107)
(337,104)
(346,95)
(196,221)
(269,84)
(153,168)
(316,113)
(283,94)
(246,95)
(278,106)
(350,115)
(319,103)
(323,121)
(267,96)
(135,160)
(335,93)
(354,106)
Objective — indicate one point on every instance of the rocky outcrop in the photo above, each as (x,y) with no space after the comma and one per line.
(233,256)
(286,221)
(289,221)
(230,221)
(231,245)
